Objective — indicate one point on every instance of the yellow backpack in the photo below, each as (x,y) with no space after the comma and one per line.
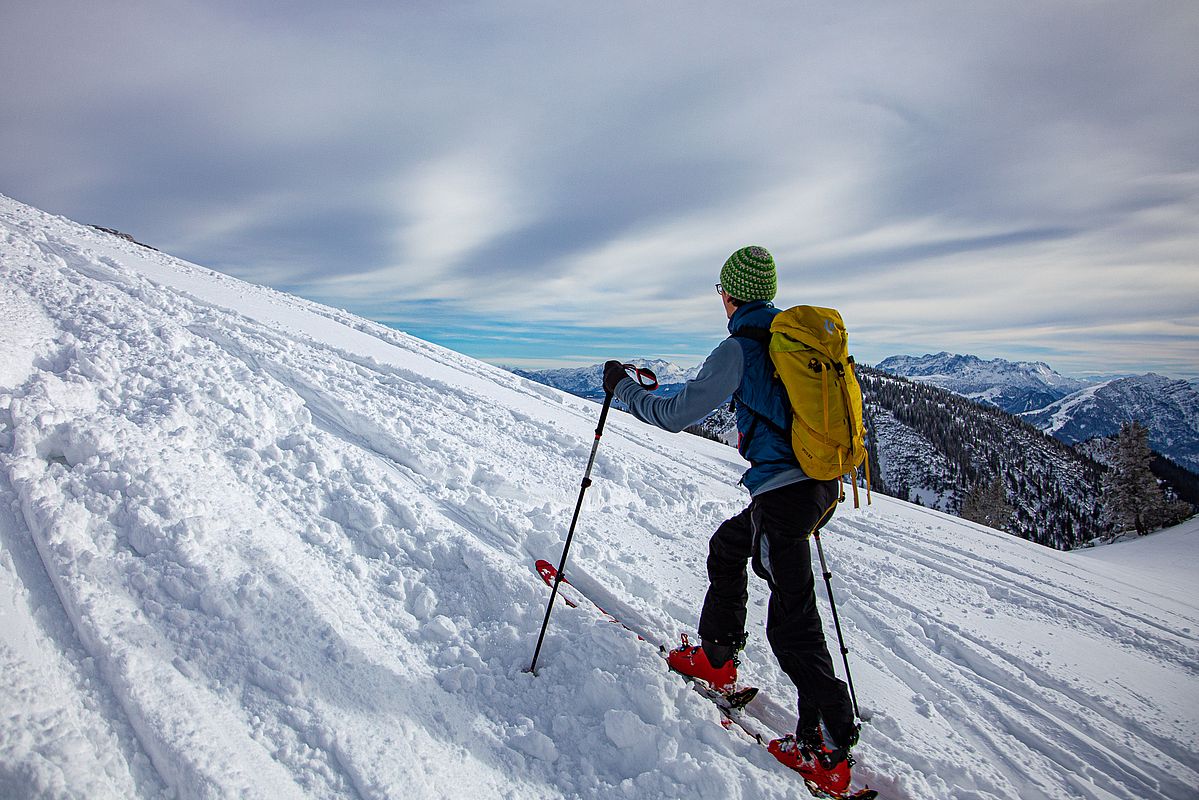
(810,350)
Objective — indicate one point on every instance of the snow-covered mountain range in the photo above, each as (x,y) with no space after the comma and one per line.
(1014,386)
(255,547)
(1070,409)
(1168,408)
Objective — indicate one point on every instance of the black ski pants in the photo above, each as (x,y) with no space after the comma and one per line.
(772,533)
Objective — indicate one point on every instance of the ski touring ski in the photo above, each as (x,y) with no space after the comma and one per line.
(731,704)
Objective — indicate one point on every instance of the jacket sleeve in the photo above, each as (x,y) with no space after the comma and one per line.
(718,378)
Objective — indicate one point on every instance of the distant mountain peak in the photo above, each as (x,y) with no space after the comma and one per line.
(1014,386)
(1070,409)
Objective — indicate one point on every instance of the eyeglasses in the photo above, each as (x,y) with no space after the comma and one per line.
(719,288)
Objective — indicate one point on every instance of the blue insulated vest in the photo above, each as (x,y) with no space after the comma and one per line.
(762,411)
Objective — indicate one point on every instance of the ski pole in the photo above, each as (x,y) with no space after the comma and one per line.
(648,381)
(599,431)
(828,584)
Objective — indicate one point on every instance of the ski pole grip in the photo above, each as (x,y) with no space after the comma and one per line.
(603,418)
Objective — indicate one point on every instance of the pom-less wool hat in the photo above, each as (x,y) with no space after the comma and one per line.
(749,274)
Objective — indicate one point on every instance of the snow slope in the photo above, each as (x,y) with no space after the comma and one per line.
(255,547)
(1168,557)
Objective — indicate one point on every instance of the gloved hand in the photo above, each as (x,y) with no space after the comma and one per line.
(614,373)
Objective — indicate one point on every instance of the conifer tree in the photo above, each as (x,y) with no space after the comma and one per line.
(1132,498)
(988,505)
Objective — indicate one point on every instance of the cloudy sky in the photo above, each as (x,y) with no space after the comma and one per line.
(559,183)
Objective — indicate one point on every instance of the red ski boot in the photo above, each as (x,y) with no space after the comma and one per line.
(826,769)
(693,662)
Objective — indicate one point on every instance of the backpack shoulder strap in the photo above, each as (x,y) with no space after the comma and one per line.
(762,336)
(759,335)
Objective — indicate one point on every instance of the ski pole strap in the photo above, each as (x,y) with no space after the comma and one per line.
(645,378)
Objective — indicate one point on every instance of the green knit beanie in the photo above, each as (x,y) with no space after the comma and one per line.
(749,274)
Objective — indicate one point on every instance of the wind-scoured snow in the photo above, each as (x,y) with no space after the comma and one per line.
(251,546)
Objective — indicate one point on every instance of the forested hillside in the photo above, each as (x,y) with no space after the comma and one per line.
(935,447)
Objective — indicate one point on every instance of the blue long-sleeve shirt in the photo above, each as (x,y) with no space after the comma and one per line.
(718,378)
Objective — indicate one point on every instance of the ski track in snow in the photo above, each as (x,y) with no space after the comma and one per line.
(256,547)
